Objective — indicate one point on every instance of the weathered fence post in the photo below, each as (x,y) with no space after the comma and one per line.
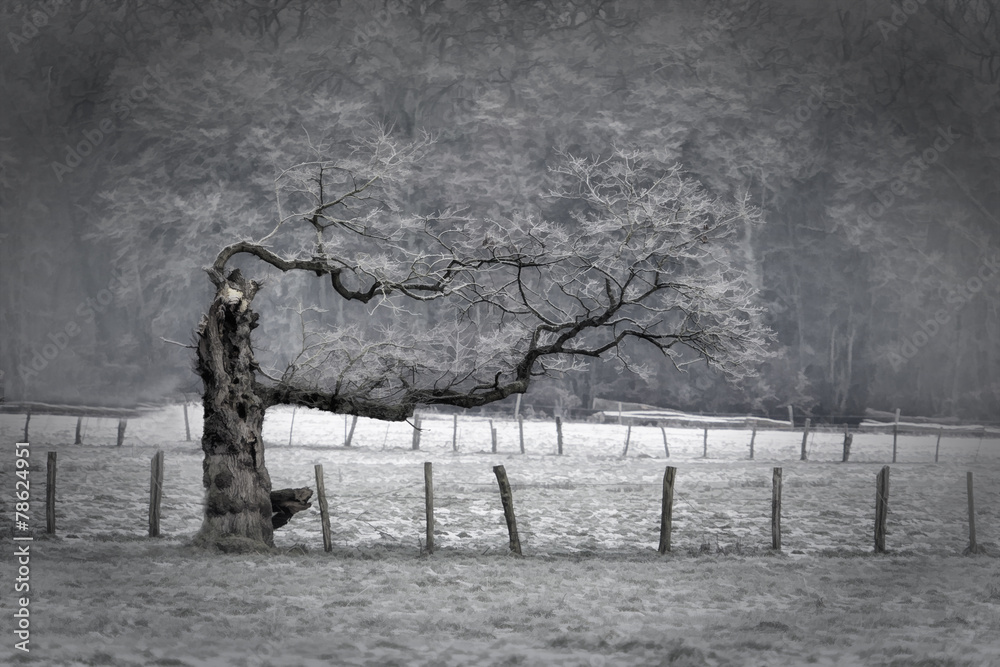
(805,437)
(78,440)
(848,440)
(881,508)
(776,509)
(493,436)
(559,437)
(350,434)
(429,505)
(753,437)
(520,430)
(895,434)
(155,493)
(50,494)
(619,412)
(666,447)
(973,547)
(454,433)
(628,437)
(416,432)
(187,424)
(704,444)
(122,423)
(937,447)
(667,509)
(324,508)
(507,498)
(27,420)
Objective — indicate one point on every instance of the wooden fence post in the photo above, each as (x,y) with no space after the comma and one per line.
(50,494)
(895,434)
(667,509)
(122,423)
(291,427)
(350,434)
(27,420)
(78,440)
(429,505)
(704,444)
(324,508)
(454,433)
(753,437)
(155,493)
(416,433)
(493,437)
(559,437)
(848,439)
(187,424)
(937,448)
(628,437)
(805,437)
(881,508)
(507,498)
(666,447)
(776,509)
(973,548)
(520,430)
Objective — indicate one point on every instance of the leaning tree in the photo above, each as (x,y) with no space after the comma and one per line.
(629,252)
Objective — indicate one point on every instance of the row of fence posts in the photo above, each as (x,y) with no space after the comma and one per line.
(155,493)
(666,511)
(78,438)
(507,501)
(667,505)
(804,453)
(493,431)
(415,444)
(123,424)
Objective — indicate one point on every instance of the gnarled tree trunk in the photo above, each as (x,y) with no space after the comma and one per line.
(238,504)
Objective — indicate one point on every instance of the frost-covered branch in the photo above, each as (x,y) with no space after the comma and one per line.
(629,252)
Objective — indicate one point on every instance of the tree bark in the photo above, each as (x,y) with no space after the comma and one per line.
(238,511)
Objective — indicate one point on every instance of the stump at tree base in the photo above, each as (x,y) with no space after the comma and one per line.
(286,502)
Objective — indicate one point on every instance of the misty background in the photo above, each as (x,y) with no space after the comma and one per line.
(138,138)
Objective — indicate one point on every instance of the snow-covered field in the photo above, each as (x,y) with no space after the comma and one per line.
(591,588)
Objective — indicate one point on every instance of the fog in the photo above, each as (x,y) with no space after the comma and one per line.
(138,139)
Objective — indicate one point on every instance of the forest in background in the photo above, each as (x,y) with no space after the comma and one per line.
(137,138)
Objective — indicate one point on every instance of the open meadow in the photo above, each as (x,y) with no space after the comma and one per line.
(591,588)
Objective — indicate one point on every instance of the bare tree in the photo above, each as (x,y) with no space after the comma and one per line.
(641,254)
